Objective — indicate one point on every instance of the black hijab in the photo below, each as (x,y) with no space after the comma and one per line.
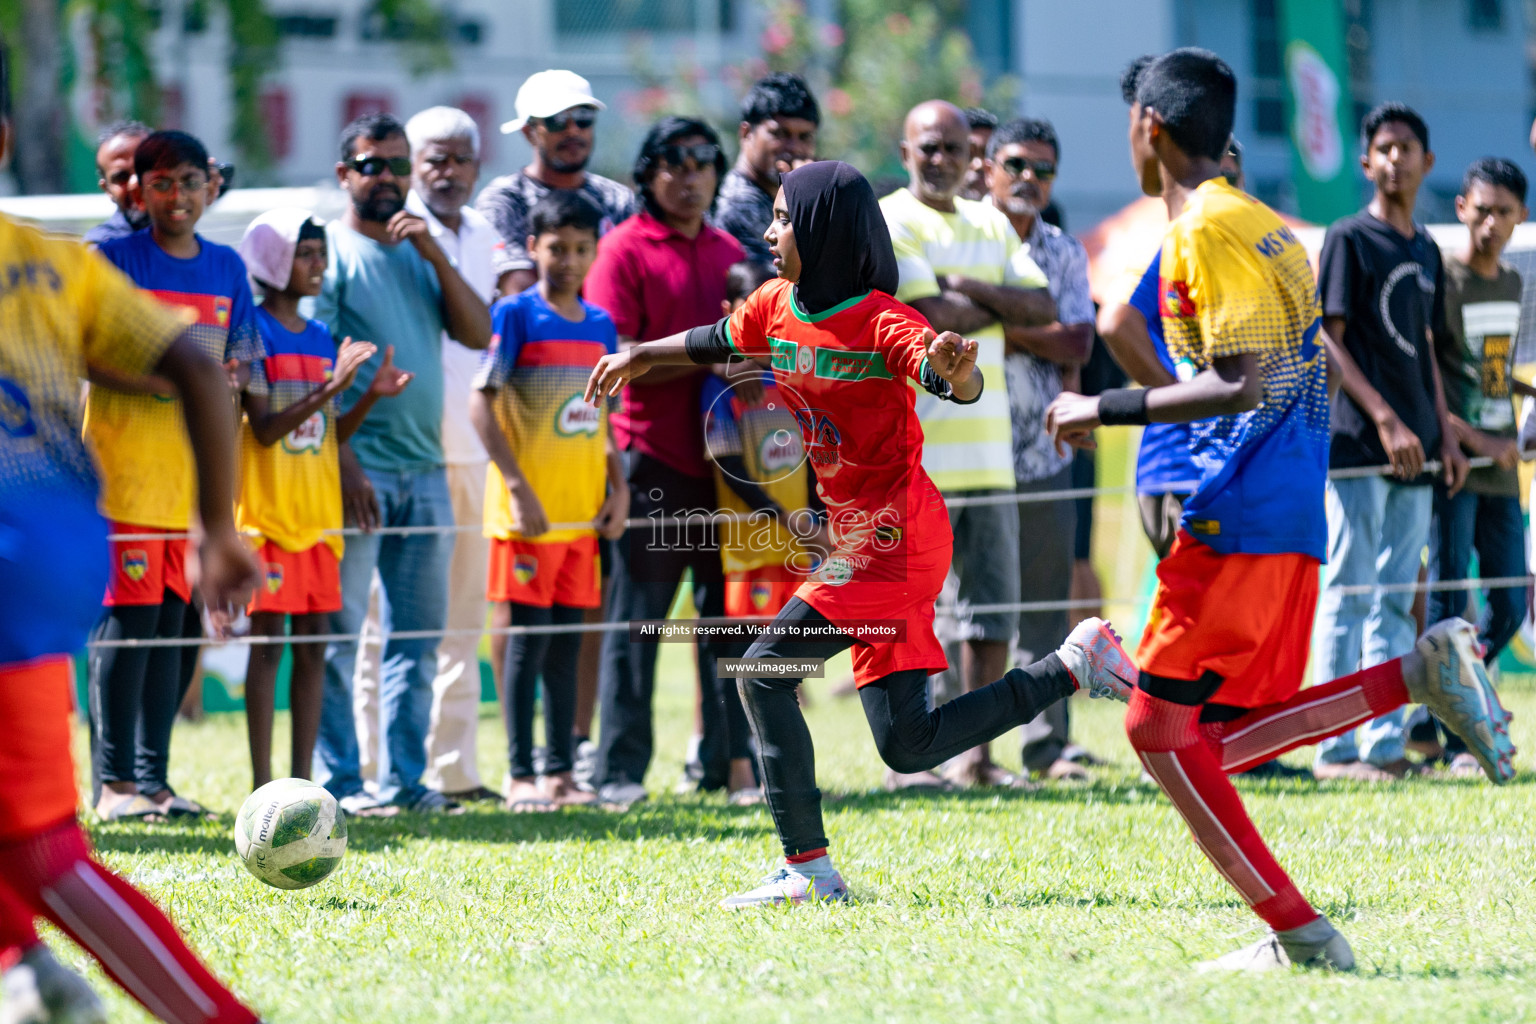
(845,248)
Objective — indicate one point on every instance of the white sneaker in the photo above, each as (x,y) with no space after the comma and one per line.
(787,885)
(1317,944)
(1454,685)
(1093,655)
(40,990)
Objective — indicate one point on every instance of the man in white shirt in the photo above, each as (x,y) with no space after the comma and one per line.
(445,162)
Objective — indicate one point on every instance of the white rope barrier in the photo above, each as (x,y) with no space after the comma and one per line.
(1015,607)
(722,516)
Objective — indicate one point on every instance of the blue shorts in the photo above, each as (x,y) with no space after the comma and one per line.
(53,571)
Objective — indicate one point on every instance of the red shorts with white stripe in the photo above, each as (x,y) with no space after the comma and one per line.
(37,773)
(1244,618)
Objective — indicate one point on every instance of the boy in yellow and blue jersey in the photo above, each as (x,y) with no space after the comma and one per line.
(290,475)
(1226,645)
(148,479)
(555,485)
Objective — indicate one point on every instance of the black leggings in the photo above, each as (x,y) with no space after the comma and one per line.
(135,692)
(910,734)
(531,656)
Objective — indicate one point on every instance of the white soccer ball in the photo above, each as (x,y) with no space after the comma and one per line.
(291,833)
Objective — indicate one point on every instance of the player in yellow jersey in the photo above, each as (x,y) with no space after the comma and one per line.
(554,486)
(290,476)
(1226,645)
(64,311)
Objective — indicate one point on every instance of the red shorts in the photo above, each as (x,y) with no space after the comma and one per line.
(897,589)
(143,570)
(1245,618)
(304,582)
(545,573)
(759,592)
(37,773)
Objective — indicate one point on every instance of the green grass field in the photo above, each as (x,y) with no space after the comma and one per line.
(1083,903)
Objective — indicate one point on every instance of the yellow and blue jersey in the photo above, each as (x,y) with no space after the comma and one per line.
(141,441)
(767,438)
(62,309)
(290,492)
(1235,280)
(537,367)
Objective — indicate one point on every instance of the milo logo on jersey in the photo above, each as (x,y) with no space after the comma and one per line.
(307,437)
(823,442)
(577,418)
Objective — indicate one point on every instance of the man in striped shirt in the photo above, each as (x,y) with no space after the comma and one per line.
(963,267)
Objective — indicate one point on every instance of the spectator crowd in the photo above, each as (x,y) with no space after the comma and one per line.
(414,371)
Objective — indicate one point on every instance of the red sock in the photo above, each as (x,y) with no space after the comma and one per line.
(806,857)
(53,874)
(1313,714)
(1166,738)
(16,932)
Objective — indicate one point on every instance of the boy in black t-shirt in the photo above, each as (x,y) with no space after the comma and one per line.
(1476,357)
(1383,295)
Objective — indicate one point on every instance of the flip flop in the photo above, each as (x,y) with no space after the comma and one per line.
(531,806)
(183,807)
(751,796)
(136,808)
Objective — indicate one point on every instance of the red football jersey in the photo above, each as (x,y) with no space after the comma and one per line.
(844,373)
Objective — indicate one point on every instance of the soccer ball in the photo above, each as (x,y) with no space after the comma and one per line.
(291,833)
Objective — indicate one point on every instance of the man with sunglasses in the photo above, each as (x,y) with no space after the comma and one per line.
(388,281)
(963,268)
(1021,174)
(557,114)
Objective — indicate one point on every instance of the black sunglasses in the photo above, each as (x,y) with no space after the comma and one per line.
(1043,170)
(373,166)
(582,118)
(702,154)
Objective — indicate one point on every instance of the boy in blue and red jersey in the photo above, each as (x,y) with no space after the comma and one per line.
(148,478)
(1226,645)
(842,350)
(67,311)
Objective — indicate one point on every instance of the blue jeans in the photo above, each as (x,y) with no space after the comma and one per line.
(1377,529)
(1491,525)
(414,572)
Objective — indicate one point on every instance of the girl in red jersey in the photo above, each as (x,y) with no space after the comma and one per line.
(842,350)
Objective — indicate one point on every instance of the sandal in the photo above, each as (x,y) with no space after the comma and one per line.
(748,796)
(182,807)
(137,807)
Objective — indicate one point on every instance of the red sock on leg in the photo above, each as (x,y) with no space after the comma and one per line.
(806,857)
(1166,737)
(17,934)
(1314,714)
(54,875)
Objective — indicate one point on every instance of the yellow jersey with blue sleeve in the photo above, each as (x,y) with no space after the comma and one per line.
(62,308)
(1234,280)
(536,371)
(290,492)
(148,476)
(965,447)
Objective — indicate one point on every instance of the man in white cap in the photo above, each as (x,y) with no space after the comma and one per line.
(556,112)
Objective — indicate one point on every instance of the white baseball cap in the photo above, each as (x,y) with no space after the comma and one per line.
(270,242)
(549,92)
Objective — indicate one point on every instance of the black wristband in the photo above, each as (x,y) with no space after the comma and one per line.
(1123,407)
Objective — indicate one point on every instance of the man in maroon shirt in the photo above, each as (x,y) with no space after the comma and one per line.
(657,273)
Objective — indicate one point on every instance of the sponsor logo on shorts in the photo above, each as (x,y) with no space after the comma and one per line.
(576,417)
(524,567)
(135,563)
(274,577)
